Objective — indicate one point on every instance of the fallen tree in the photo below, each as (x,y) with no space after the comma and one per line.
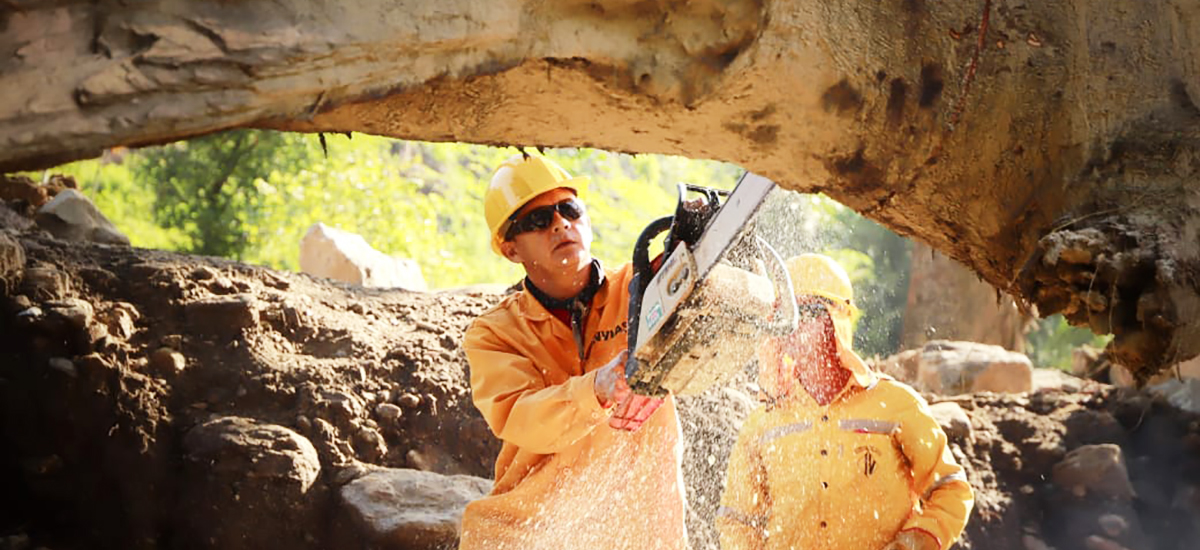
(1052,147)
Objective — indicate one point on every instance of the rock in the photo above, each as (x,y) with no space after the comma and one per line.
(1089,362)
(388,412)
(901,366)
(12,264)
(44,282)
(222,315)
(19,303)
(1113,525)
(63,365)
(14,220)
(166,361)
(953,420)
(247,485)
(71,216)
(343,256)
(1094,470)
(22,189)
(1120,377)
(120,318)
(369,445)
(409,400)
(331,446)
(77,313)
(1054,379)
(401,509)
(959,367)
(1182,393)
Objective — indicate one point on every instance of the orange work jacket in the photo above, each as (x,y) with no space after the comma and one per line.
(847,476)
(564,479)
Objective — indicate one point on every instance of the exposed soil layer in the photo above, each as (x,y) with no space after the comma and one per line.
(109,356)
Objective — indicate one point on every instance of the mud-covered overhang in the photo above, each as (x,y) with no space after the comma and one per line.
(1051,147)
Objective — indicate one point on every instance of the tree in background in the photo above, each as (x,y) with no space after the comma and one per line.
(205,187)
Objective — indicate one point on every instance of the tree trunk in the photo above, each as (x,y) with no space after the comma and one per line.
(947,301)
(1049,146)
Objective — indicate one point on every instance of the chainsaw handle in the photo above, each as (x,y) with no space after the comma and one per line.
(786,315)
(643,272)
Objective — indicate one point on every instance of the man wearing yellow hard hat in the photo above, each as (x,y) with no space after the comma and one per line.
(547,372)
(837,457)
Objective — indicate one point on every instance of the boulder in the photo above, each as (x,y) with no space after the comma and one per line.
(953,420)
(394,508)
(73,217)
(344,256)
(1094,471)
(246,485)
(1183,393)
(902,366)
(948,367)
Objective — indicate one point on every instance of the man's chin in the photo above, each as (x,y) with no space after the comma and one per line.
(572,256)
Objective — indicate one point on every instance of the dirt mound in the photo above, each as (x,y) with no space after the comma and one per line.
(112,357)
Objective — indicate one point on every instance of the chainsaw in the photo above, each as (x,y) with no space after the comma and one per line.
(696,319)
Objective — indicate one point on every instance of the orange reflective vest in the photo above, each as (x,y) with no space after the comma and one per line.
(564,478)
(847,476)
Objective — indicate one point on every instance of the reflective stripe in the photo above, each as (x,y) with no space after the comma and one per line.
(780,431)
(864,425)
(956,476)
(744,519)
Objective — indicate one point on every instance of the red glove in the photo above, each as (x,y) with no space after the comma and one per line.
(633,411)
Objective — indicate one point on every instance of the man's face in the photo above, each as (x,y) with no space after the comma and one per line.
(562,247)
(814,333)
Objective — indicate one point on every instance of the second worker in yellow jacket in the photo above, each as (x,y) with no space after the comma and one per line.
(839,457)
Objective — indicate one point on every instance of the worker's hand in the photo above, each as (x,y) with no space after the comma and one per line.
(912,539)
(610,383)
(632,410)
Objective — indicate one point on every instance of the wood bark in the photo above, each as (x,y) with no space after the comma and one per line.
(1049,146)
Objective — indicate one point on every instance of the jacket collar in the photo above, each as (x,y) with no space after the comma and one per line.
(535,305)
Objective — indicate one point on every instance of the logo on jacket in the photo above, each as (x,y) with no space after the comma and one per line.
(867,454)
(605,335)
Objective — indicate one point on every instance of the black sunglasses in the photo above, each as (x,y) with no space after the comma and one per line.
(541,217)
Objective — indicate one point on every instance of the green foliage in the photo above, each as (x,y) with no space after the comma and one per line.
(206,187)
(251,195)
(1050,344)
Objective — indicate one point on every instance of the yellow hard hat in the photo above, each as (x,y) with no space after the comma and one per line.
(815,275)
(820,275)
(517,181)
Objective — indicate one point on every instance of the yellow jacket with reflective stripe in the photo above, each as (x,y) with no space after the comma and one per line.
(563,478)
(847,476)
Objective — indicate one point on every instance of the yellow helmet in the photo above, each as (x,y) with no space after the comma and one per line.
(517,181)
(814,275)
(820,275)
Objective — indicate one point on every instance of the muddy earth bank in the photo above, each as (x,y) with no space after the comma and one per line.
(120,367)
